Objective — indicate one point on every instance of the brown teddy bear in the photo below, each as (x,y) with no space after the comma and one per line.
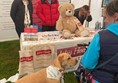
(68,23)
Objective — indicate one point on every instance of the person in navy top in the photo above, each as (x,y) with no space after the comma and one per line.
(103,47)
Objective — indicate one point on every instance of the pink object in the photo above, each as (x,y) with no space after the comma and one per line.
(30,30)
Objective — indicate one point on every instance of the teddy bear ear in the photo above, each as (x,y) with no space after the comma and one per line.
(59,8)
(73,5)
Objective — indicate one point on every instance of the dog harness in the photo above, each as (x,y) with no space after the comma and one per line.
(53,72)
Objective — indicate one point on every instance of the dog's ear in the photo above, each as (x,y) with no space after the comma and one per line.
(60,58)
(58,62)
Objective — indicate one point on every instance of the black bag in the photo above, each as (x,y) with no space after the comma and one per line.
(84,76)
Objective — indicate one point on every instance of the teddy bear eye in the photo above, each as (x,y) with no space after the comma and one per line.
(66,9)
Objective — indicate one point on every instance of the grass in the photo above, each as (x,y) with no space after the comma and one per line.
(9,61)
(9,58)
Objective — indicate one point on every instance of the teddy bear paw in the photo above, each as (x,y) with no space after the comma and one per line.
(84,33)
(67,35)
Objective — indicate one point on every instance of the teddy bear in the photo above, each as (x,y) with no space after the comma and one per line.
(68,23)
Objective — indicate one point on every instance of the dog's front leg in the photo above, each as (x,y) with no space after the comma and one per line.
(62,79)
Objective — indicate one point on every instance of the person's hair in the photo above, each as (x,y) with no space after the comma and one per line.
(81,12)
(86,7)
(112,8)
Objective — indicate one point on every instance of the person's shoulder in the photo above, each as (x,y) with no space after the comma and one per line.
(17,1)
(103,31)
(77,9)
(41,1)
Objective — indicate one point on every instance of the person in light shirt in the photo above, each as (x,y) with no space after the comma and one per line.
(21,14)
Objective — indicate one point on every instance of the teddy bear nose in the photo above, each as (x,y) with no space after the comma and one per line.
(69,11)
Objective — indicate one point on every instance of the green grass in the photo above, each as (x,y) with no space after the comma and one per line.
(9,58)
(9,61)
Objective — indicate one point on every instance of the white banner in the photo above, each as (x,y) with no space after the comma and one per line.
(63,1)
(7,31)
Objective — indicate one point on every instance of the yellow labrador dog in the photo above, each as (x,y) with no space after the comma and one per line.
(51,74)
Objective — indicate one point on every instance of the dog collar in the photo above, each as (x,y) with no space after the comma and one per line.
(53,72)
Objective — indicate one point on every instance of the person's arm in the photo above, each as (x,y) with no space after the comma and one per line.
(13,10)
(39,11)
(91,56)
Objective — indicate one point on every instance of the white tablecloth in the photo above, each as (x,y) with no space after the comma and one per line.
(44,52)
(61,43)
